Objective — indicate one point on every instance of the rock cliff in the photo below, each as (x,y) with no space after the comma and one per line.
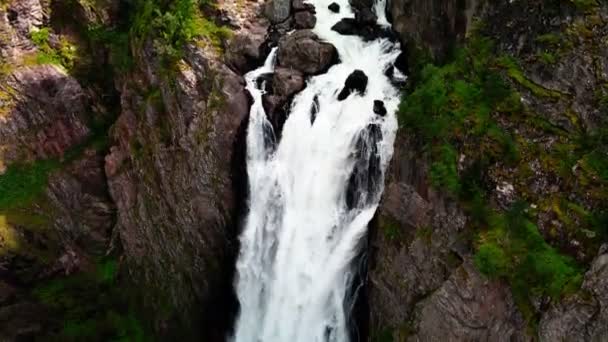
(428,279)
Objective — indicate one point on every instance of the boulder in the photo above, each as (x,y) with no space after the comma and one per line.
(300,5)
(401,63)
(246,50)
(366,17)
(368,31)
(334,7)
(305,20)
(356,81)
(286,82)
(361,4)
(264,82)
(277,11)
(303,51)
(379,108)
(275,106)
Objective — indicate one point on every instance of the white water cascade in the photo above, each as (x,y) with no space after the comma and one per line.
(313,194)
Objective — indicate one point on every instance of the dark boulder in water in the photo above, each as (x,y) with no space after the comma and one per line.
(314,109)
(264,81)
(334,7)
(369,32)
(300,5)
(364,183)
(356,81)
(361,4)
(305,20)
(401,63)
(366,17)
(379,108)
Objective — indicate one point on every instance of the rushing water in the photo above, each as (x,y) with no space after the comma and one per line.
(313,194)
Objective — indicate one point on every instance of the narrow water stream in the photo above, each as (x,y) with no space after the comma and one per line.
(313,194)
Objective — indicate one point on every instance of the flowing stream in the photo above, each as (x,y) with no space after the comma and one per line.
(313,193)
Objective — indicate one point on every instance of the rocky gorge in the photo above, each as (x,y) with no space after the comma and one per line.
(123,183)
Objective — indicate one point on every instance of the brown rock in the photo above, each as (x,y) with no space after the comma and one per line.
(469,307)
(244,52)
(303,51)
(45,115)
(286,82)
(305,20)
(579,317)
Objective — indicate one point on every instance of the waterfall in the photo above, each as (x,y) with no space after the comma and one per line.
(313,193)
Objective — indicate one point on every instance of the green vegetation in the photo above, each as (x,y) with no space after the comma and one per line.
(64,55)
(23,183)
(547,58)
(585,5)
(117,43)
(462,113)
(513,248)
(452,104)
(514,71)
(172,25)
(91,306)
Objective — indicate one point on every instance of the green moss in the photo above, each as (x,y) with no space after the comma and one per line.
(444,170)
(547,58)
(513,249)
(173,25)
(455,103)
(425,234)
(491,260)
(465,107)
(64,56)
(552,39)
(585,5)
(23,183)
(117,42)
(383,335)
(515,73)
(391,230)
(91,305)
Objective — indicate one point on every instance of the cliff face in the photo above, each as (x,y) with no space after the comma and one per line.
(172,177)
(437,25)
(428,276)
(121,166)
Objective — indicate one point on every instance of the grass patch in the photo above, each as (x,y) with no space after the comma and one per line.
(453,103)
(172,25)
(23,183)
(91,306)
(64,56)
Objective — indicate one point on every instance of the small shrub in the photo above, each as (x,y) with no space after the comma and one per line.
(491,260)
(64,56)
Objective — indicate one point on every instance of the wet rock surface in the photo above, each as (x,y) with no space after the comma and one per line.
(334,7)
(304,20)
(379,108)
(581,318)
(303,51)
(277,10)
(355,82)
(364,26)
